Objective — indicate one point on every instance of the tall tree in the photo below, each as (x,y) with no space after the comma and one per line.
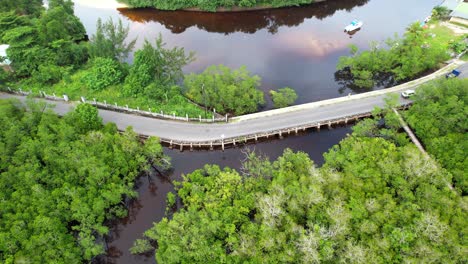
(110,41)
(157,65)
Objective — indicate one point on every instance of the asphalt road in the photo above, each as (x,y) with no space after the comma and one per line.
(193,132)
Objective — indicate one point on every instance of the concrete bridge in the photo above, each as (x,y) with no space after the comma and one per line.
(268,124)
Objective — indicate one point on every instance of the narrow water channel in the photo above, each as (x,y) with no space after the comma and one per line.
(150,205)
(296,47)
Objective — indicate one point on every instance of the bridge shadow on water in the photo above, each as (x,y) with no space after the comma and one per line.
(245,21)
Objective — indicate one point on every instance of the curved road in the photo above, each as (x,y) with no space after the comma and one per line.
(258,123)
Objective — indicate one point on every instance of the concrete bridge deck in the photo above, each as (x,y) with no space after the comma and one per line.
(264,124)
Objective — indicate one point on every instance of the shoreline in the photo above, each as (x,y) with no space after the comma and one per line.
(222,9)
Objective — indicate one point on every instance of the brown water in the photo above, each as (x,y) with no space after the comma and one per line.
(150,205)
(296,47)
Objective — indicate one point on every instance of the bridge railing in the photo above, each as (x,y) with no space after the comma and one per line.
(124,109)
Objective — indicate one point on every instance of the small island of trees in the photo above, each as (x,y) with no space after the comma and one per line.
(214,5)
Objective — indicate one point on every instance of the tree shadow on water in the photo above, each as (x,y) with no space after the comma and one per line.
(345,80)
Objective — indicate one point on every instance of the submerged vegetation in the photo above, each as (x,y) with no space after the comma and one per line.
(377,199)
(212,5)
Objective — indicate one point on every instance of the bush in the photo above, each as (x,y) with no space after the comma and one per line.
(226,90)
(103,73)
(283,97)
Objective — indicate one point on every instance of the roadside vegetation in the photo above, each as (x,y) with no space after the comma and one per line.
(438,117)
(52,57)
(212,5)
(377,199)
(283,97)
(61,179)
(226,90)
(399,59)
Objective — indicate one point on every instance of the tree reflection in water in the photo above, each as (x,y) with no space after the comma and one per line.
(246,22)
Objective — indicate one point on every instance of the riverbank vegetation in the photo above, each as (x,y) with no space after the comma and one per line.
(377,199)
(225,90)
(212,5)
(48,56)
(283,97)
(421,49)
(61,179)
(438,117)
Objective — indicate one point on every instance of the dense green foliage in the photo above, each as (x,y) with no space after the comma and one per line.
(440,13)
(22,7)
(155,69)
(438,117)
(283,97)
(103,73)
(61,179)
(47,58)
(377,199)
(110,41)
(421,49)
(226,90)
(47,41)
(212,5)
(372,202)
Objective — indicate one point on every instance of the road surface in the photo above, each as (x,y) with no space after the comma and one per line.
(263,122)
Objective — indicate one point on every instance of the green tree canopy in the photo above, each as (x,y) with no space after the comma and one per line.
(372,202)
(419,50)
(60,182)
(157,65)
(283,97)
(110,41)
(227,91)
(22,7)
(103,73)
(438,117)
(212,5)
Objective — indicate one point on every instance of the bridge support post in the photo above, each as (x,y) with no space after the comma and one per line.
(289,132)
(267,135)
(329,125)
(256,138)
(304,129)
(346,121)
(280,135)
(211,145)
(199,144)
(191,147)
(318,127)
(297,131)
(181,147)
(234,142)
(170,145)
(222,145)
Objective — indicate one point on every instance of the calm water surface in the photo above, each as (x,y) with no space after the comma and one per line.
(150,205)
(295,47)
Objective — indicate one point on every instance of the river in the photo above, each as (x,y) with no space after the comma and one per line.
(296,47)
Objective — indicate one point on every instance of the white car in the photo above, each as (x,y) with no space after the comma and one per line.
(354,25)
(407,93)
